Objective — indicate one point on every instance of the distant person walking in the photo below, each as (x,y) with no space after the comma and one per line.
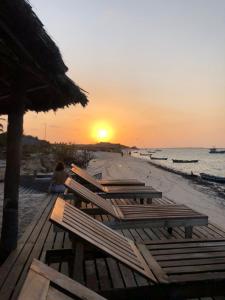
(58,179)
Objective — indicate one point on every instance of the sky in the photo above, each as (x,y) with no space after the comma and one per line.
(154,71)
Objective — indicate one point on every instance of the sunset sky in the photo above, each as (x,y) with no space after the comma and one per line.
(154,71)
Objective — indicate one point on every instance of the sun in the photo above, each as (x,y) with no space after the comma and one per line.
(102,132)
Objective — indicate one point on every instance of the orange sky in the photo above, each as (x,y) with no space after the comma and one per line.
(155,73)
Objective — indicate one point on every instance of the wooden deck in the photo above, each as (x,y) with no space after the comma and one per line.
(99,274)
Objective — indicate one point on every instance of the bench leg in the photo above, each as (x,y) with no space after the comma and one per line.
(170,230)
(77,266)
(188,232)
(149,200)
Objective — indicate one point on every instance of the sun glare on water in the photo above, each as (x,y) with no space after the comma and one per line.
(102,132)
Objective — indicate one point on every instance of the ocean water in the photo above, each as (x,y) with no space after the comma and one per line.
(213,164)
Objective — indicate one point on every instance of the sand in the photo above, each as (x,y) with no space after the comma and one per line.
(181,190)
(29,204)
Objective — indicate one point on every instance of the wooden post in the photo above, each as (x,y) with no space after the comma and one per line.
(9,232)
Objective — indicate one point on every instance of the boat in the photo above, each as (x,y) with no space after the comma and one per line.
(185,161)
(214,178)
(159,158)
(144,154)
(213,150)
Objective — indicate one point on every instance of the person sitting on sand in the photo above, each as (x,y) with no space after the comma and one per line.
(58,179)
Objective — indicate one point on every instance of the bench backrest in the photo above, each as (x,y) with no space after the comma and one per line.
(87,177)
(90,196)
(43,282)
(102,237)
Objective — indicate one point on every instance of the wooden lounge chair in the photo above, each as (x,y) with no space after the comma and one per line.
(129,216)
(85,177)
(125,192)
(43,282)
(175,269)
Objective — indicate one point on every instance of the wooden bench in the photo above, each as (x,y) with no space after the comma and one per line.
(199,268)
(43,282)
(123,192)
(116,191)
(87,178)
(130,216)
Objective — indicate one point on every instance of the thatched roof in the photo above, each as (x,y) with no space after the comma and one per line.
(26,50)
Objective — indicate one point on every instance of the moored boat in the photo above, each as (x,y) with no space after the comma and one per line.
(159,158)
(214,178)
(185,161)
(216,151)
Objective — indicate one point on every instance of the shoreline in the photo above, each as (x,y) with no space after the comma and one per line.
(220,190)
(202,197)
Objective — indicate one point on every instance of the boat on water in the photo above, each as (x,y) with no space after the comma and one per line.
(159,158)
(214,178)
(144,154)
(185,161)
(213,150)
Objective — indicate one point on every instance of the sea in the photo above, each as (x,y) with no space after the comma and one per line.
(213,164)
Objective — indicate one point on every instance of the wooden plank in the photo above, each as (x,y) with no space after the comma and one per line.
(103,276)
(107,184)
(115,274)
(120,182)
(89,196)
(61,282)
(11,260)
(106,242)
(54,294)
(91,275)
(189,250)
(99,234)
(210,277)
(129,257)
(49,243)
(86,177)
(195,269)
(21,264)
(190,256)
(192,262)
(35,287)
(155,267)
(77,266)
(33,254)
(130,193)
(184,243)
(151,235)
(128,276)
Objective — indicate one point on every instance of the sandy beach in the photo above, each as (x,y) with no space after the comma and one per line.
(174,187)
(29,205)
(113,165)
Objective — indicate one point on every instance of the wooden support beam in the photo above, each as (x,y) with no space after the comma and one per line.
(9,232)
